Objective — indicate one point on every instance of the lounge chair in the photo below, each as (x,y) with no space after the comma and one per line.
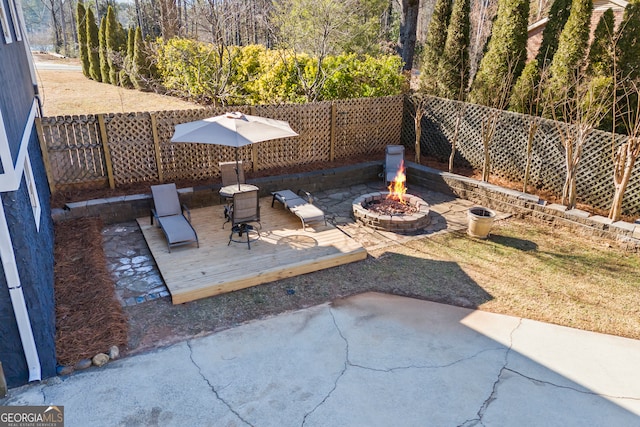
(302,208)
(394,157)
(169,215)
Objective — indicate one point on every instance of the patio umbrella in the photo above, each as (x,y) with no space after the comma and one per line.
(233,130)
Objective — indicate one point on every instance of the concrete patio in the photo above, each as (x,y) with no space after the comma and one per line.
(367,360)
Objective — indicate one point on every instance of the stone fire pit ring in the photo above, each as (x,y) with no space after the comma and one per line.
(401,223)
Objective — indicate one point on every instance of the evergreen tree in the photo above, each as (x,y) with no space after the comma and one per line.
(112,37)
(525,93)
(104,63)
(453,70)
(93,47)
(557,18)
(434,45)
(628,35)
(628,56)
(600,58)
(568,61)
(140,62)
(506,55)
(126,73)
(130,43)
(81,26)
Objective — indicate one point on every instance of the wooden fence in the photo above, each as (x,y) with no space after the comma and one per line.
(508,151)
(118,149)
(95,151)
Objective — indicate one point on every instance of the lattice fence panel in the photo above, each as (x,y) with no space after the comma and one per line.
(131,147)
(190,161)
(75,151)
(367,125)
(508,150)
(312,122)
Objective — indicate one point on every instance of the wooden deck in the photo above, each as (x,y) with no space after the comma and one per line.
(283,250)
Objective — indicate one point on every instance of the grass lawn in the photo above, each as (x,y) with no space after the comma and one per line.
(525,269)
(537,272)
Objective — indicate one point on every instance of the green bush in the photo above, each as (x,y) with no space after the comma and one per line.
(195,70)
(257,75)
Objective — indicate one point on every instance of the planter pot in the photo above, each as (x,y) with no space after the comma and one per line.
(480,222)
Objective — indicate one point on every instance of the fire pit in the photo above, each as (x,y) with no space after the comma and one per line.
(394,210)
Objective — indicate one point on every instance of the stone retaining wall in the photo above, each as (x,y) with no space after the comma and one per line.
(522,204)
(128,208)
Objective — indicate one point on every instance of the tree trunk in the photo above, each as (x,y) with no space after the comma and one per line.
(57,32)
(408,28)
(168,18)
(533,128)
(418,125)
(139,19)
(625,160)
(454,141)
(63,29)
(488,129)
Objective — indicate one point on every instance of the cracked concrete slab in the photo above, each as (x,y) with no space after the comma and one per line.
(366,360)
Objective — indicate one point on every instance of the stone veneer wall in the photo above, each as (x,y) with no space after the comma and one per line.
(522,204)
(128,208)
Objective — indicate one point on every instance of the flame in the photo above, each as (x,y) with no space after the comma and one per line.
(397,188)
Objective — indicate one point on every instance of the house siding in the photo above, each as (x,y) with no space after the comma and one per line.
(32,246)
(17,92)
(34,257)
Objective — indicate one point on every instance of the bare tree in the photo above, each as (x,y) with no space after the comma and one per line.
(582,107)
(420,102)
(629,151)
(498,101)
(534,123)
(462,109)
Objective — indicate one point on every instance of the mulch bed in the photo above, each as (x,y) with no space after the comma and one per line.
(89,317)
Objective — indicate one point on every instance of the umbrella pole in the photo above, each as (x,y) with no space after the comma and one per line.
(237,171)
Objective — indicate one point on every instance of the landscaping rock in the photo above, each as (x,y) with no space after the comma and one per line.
(114,352)
(100,359)
(83,364)
(64,370)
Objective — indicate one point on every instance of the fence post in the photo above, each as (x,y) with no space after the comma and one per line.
(45,155)
(107,152)
(156,146)
(254,147)
(332,145)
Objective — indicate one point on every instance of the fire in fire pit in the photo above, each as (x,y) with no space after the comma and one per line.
(394,211)
(394,203)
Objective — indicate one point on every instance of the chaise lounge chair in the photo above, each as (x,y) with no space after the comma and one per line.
(303,209)
(169,215)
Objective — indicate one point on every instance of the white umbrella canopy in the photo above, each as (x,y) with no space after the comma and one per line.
(232,130)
